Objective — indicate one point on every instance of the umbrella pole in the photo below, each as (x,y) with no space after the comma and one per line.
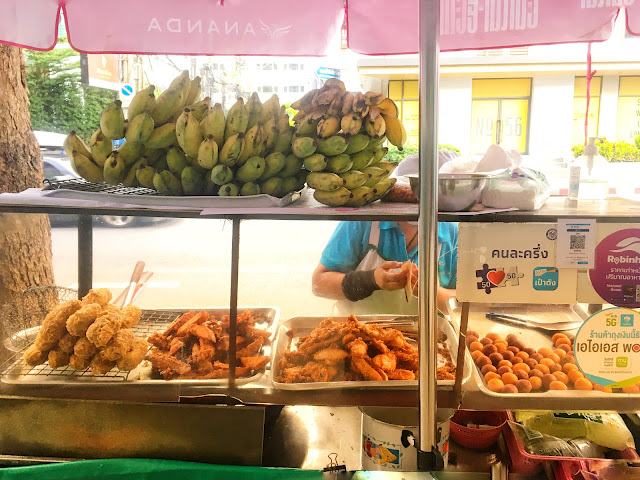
(429,17)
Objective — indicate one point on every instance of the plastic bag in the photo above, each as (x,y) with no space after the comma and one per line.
(520,187)
(605,429)
(540,444)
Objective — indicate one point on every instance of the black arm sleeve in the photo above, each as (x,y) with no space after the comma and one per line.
(357,285)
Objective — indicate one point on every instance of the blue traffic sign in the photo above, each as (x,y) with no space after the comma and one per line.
(126,90)
(325,72)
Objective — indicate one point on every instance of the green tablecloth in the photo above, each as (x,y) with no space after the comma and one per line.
(141,469)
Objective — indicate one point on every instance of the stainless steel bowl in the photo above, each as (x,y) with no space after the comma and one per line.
(457,192)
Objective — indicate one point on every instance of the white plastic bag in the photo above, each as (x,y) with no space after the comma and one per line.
(520,187)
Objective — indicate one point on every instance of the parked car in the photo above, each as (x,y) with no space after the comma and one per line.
(56,166)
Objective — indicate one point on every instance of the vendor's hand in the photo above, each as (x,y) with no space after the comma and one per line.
(386,279)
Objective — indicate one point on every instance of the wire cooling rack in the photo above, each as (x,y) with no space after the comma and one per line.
(80,185)
(15,369)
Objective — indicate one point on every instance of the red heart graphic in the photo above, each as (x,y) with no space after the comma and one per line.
(496,277)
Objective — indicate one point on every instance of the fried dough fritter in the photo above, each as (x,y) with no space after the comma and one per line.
(57,358)
(134,356)
(54,325)
(79,363)
(101,296)
(84,348)
(119,345)
(78,323)
(130,316)
(32,356)
(102,330)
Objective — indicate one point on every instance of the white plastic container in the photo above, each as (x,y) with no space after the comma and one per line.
(594,183)
(390,438)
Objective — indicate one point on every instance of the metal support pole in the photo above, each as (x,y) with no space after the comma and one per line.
(429,17)
(233,299)
(85,254)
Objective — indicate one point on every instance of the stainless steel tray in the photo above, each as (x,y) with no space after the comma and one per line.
(531,337)
(16,371)
(304,326)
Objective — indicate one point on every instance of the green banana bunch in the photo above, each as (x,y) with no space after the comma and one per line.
(351,124)
(112,121)
(382,188)
(301,177)
(144,175)
(315,163)
(100,146)
(153,154)
(388,166)
(208,153)
(213,123)
(210,188)
(195,89)
(307,126)
(361,196)
(325,181)
(272,186)
(197,109)
(357,143)
(162,136)
(188,133)
(140,128)
(249,188)
(166,183)
(377,174)
(335,198)
(354,178)
(192,181)
(130,178)
(375,142)
(143,101)
(303,146)
(252,143)
(237,119)
(84,167)
(270,108)
(334,145)
(378,155)
(74,142)
(176,160)
(274,163)
(251,170)
(229,190)
(221,174)
(328,127)
(231,150)
(130,153)
(172,99)
(254,108)
(362,159)
(339,163)
(292,165)
(114,169)
(289,184)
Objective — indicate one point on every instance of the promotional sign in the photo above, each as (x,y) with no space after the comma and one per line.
(498,263)
(103,71)
(607,347)
(616,276)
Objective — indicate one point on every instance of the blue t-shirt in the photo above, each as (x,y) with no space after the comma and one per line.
(348,246)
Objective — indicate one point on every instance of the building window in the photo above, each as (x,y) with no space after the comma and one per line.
(405,94)
(628,121)
(266,66)
(580,108)
(500,114)
(294,88)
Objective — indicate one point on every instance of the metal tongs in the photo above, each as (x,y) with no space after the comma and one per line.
(138,279)
(533,324)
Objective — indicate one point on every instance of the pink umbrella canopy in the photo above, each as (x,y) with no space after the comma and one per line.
(303,27)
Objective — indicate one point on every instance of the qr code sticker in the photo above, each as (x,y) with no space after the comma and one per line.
(577,242)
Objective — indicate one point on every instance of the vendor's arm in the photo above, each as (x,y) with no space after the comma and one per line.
(328,283)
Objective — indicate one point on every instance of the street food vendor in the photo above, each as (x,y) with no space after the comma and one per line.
(361,265)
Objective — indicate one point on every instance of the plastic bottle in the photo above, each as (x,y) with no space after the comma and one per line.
(594,184)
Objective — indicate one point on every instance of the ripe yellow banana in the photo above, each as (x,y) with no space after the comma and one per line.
(237,119)
(112,121)
(375,128)
(335,198)
(162,136)
(354,179)
(253,143)
(100,146)
(213,123)
(269,135)
(382,188)
(325,181)
(208,153)
(395,131)
(130,178)
(188,133)
(351,124)
(171,100)
(74,142)
(84,167)
(388,107)
(130,153)
(197,109)
(327,127)
(140,128)
(144,175)
(142,101)
(195,88)
(270,108)
(376,173)
(114,169)
(231,150)
(254,107)
(361,196)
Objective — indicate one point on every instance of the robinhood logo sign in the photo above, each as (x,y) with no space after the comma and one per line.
(220,28)
(632,245)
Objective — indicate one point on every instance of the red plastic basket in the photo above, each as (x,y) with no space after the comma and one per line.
(476,438)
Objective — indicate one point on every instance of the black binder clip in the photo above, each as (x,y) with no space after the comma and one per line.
(333,466)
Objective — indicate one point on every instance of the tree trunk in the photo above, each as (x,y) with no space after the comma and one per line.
(25,239)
